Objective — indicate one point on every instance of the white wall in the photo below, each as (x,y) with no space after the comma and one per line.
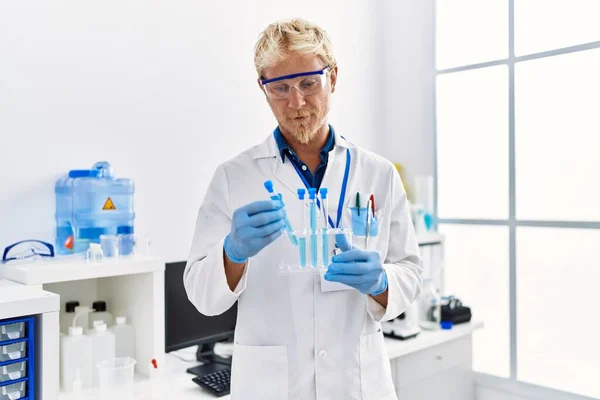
(164,91)
(408,59)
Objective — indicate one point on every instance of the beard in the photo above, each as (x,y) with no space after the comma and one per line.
(304,131)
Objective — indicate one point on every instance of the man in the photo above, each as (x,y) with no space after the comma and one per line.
(304,335)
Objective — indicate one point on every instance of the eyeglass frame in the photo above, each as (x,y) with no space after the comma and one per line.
(323,71)
(49,246)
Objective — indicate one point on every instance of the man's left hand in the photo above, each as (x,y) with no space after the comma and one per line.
(360,269)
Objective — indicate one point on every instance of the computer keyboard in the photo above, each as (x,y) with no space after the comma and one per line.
(217,382)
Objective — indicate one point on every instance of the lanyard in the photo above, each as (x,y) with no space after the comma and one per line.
(342,192)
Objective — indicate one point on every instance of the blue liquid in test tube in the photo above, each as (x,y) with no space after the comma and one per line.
(302,239)
(325,236)
(312,197)
(288,225)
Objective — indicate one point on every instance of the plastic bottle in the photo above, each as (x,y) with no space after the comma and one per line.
(81,318)
(100,314)
(124,338)
(66,317)
(430,307)
(75,359)
(103,348)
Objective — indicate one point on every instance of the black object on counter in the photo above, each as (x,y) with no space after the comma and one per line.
(455,312)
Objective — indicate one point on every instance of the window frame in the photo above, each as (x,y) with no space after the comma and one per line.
(517,387)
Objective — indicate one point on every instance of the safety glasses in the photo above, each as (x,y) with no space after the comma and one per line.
(307,83)
(28,250)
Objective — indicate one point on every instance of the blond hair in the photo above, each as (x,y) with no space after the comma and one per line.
(292,35)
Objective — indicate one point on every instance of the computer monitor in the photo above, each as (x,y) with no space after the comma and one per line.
(185,326)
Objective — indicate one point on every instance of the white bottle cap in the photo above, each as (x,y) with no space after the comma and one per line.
(75,330)
(121,320)
(97,322)
(101,327)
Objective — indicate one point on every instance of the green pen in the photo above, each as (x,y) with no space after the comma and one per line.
(358,202)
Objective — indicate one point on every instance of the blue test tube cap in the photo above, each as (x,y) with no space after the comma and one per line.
(312,193)
(301,194)
(269,186)
(323,193)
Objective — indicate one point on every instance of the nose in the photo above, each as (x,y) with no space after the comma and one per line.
(296,100)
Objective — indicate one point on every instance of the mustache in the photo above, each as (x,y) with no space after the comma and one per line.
(303,113)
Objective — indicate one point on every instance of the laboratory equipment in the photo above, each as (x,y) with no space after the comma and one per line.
(185,326)
(127,244)
(302,239)
(75,359)
(109,245)
(325,256)
(277,196)
(405,326)
(454,311)
(28,250)
(101,314)
(66,316)
(429,304)
(320,255)
(115,377)
(217,382)
(94,253)
(312,209)
(82,318)
(90,203)
(124,338)
(102,343)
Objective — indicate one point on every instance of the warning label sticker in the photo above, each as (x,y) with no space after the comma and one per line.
(109,205)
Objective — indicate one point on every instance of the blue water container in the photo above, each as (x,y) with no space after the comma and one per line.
(90,203)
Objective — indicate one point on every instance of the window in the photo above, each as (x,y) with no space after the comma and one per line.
(517,194)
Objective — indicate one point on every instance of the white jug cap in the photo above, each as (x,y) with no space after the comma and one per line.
(100,327)
(97,322)
(121,320)
(75,330)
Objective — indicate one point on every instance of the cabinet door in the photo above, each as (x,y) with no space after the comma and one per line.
(418,366)
(456,383)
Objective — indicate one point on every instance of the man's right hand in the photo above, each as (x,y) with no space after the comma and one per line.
(254,226)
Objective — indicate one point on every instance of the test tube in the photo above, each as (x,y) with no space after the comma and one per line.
(288,226)
(312,199)
(302,238)
(325,231)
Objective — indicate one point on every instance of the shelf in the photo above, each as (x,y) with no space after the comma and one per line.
(430,238)
(75,269)
(18,300)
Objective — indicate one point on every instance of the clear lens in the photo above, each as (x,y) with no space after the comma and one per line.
(306,85)
(29,249)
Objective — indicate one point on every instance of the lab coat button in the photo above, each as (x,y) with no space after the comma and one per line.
(322,353)
(304,168)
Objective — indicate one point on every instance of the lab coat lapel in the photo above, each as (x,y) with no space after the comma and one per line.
(334,174)
(286,174)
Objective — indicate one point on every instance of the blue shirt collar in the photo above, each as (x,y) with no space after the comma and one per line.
(284,148)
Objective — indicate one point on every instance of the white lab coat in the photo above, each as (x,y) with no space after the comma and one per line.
(292,340)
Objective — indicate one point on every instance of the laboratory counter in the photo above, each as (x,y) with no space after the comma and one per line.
(433,356)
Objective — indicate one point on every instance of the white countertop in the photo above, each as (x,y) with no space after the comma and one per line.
(176,383)
(17,300)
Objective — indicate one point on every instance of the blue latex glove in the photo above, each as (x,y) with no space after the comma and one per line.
(253,227)
(360,269)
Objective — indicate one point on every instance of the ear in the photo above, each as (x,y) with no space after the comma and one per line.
(333,75)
